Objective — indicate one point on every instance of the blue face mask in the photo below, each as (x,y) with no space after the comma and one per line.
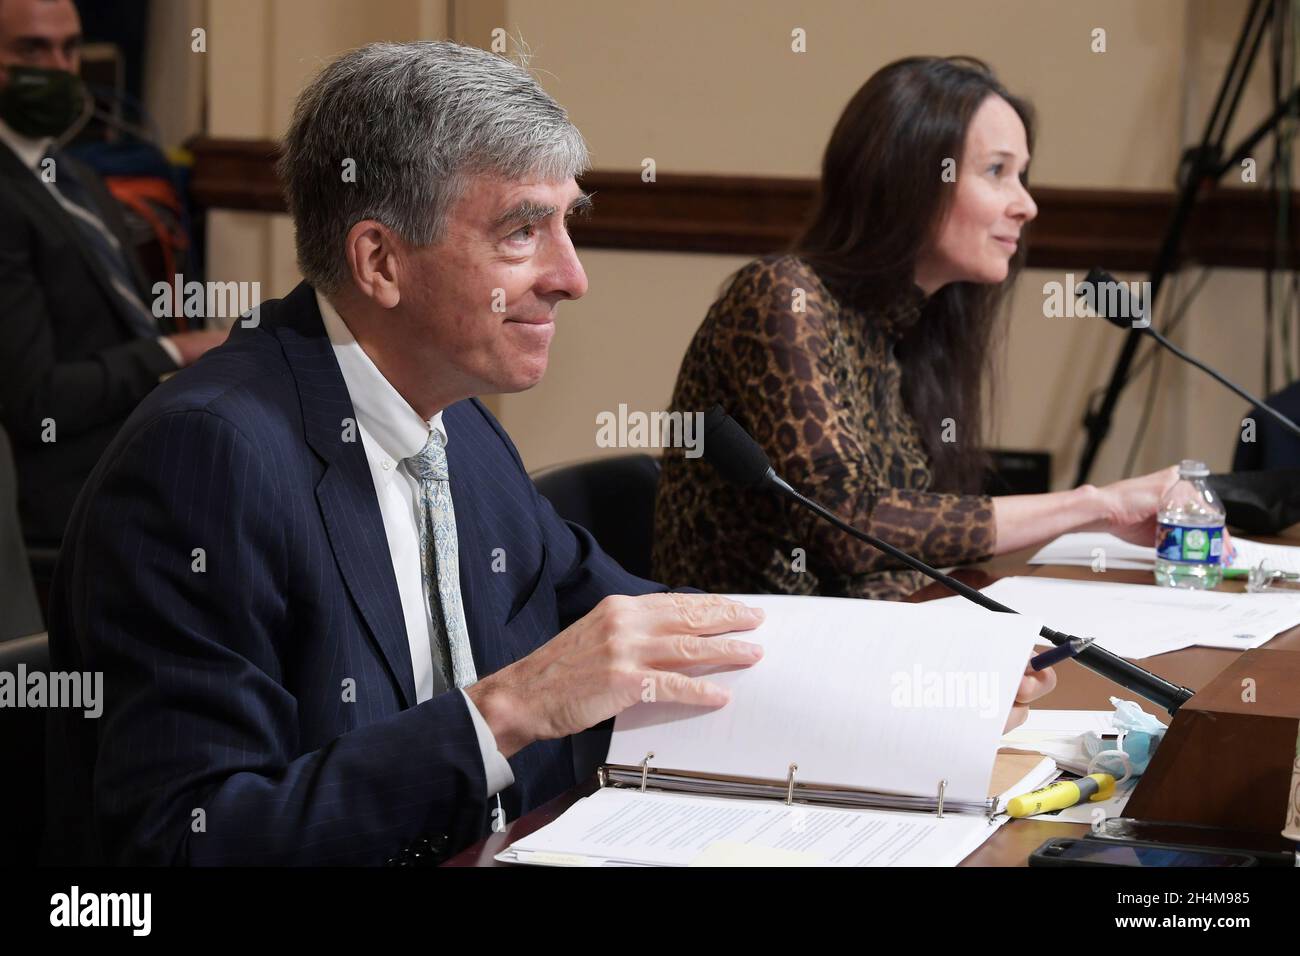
(1140,734)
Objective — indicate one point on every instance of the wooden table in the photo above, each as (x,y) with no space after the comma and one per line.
(1076,689)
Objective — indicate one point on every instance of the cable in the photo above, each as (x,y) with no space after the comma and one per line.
(1148,404)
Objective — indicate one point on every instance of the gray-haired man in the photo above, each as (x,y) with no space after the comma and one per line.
(336,621)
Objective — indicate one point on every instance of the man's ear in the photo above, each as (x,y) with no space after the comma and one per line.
(375,263)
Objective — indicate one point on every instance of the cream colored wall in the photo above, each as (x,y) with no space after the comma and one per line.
(714,87)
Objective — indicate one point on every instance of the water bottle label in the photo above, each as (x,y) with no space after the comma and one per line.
(1190,545)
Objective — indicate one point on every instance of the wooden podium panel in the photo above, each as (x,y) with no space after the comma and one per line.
(1226,758)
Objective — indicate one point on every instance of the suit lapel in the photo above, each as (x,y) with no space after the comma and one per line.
(48,213)
(346,492)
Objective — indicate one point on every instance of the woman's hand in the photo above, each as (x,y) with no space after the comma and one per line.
(1033,685)
(1130,506)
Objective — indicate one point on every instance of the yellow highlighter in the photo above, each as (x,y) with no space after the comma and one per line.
(1062,794)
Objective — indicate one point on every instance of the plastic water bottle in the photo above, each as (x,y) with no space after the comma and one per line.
(1189,537)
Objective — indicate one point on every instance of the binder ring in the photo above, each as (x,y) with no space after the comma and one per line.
(943,785)
(789,784)
(645,769)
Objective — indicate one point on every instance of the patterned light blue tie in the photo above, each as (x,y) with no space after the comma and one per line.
(439,562)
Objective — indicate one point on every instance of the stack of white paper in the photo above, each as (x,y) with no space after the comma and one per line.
(1098,549)
(1107,552)
(616,827)
(1139,620)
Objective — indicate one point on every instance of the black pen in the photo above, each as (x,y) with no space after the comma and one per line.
(1060,652)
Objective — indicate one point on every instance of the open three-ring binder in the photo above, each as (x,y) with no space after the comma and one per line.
(865,736)
(647,777)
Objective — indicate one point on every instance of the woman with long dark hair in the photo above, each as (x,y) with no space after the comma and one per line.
(861,359)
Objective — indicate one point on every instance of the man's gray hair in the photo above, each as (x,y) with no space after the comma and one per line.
(416,119)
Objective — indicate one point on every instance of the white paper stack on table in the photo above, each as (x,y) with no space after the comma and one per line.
(1140,620)
(873,701)
(1083,548)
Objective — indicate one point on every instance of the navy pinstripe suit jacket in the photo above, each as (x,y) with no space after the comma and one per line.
(228,734)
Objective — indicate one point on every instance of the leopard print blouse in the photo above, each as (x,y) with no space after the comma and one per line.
(819,390)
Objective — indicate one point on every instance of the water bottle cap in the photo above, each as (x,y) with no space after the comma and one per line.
(1190,468)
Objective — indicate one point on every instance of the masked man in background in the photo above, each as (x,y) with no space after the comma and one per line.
(80,346)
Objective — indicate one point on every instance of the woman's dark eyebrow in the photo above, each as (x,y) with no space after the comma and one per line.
(1005,154)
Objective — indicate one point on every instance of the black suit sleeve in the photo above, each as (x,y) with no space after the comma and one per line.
(35,384)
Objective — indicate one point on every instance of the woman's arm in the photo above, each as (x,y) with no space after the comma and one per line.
(1027,520)
(1125,508)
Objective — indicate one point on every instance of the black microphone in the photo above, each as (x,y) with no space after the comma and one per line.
(1117,294)
(742,461)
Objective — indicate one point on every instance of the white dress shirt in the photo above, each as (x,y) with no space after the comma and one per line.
(30,152)
(391,431)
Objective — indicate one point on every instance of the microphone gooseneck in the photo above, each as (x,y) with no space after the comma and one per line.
(742,461)
(1092,286)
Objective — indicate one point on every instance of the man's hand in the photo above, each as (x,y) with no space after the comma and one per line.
(1033,685)
(192,345)
(605,662)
